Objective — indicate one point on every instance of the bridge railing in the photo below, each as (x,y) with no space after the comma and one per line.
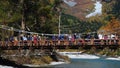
(61,42)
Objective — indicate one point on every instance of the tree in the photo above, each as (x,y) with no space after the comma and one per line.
(26,14)
(113,26)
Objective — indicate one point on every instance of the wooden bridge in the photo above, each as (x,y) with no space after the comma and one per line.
(60,44)
(51,47)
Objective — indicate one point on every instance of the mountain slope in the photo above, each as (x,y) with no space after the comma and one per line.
(80,9)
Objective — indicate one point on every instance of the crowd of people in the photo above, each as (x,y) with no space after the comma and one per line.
(63,39)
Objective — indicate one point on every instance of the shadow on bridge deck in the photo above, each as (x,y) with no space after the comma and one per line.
(51,47)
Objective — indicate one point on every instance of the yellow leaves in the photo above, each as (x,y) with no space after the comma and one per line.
(112,26)
(51,1)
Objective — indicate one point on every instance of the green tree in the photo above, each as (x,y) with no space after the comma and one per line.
(26,14)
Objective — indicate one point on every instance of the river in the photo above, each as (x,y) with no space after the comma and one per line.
(90,63)
(102,62)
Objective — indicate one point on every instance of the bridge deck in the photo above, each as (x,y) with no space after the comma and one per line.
(60,47)
(60,44)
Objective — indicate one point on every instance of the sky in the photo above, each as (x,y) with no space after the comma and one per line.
(71,3)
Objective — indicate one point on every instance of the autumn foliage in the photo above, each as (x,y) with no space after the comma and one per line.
(113,26)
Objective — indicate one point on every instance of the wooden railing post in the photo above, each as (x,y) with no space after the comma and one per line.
(102,42)
(118,41)
(92,42)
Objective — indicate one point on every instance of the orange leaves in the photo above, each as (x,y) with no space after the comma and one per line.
(113,26)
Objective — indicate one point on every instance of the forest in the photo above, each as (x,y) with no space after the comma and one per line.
(43,16)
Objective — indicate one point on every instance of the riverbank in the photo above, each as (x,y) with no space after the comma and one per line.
(5,63)
(106,52)
(33,60)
